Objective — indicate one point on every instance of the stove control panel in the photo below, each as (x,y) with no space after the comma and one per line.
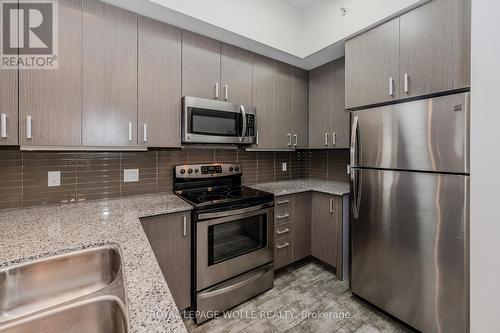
(207,170)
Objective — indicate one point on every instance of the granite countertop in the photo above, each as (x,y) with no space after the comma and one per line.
(33,233)
(304,185)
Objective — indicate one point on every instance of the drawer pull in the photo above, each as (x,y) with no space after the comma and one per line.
(279,247)
(281,232)
(283,202)
(282,217)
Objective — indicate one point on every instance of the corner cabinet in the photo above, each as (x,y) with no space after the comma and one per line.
(109,75)
(170,239)
(422,52)
(159,84)
(328,119)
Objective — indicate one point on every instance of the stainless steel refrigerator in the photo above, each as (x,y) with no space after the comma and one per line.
(410,211)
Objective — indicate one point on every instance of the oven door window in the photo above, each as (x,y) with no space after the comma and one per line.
(232,239)
(211,122)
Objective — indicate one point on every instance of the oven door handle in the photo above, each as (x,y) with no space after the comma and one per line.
(206,216)
(244,120)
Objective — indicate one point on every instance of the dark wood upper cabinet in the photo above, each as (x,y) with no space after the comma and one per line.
(340,119)
(320,105)
(263,100)
(283,113)
(8,107)
(109,75)
(435,48)
(159,84)
(200,66)
(300,108)
(372,66)
(50,100)
(236,75)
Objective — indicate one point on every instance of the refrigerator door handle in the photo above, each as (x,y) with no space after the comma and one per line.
(354,143)
(356,192)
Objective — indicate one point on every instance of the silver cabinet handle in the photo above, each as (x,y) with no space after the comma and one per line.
(216,90)
(145,132)
(282,217)
(331,206)
(3,125)
(326,139)
(184,226)
(257,138)
(281,232)
(289,139)
(334,139)
(226,94)
(391,86)
(296,140)
(282,246)
(406,83)
(130,132)
(283,202)
(29,134)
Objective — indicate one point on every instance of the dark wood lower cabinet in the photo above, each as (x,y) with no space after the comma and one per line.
(323,229)
(169,236)
(302,225)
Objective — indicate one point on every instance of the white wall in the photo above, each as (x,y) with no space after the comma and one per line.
(485,168)
(324,24)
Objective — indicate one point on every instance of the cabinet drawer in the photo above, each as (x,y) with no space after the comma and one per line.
(283,252)
(283,209)
(282,230)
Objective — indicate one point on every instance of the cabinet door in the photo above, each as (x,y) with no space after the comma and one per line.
(435,48)
(302,225)
(323,229)
(200,66)
(8,106)
(320,105)
(52,97)
(169,236)
(159,83)
(339,116)
(109,75)
(236,75)
(300,107)
(263,90)
(283,115)
(372,66)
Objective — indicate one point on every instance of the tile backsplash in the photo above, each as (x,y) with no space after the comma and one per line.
(99,175)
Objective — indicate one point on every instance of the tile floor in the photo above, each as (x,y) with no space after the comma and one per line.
(310,287)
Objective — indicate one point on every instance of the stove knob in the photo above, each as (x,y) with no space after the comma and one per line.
(183,171)
(190,171)
(231,169)
(196,170)
(237,169)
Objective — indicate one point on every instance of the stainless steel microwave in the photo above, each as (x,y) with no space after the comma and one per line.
(211,121)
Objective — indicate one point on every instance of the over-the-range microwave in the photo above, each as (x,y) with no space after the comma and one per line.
(212,121)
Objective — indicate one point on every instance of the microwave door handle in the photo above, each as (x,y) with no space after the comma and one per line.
(244,120)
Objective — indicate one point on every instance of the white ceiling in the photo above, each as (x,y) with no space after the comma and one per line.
(304,33)
(299,4)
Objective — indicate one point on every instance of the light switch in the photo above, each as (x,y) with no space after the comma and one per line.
(130,175)
(283,166)
(54,178)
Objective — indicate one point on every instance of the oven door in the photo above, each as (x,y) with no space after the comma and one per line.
(233,244)
(209,121)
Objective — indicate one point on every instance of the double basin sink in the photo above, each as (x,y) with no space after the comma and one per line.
(77,292)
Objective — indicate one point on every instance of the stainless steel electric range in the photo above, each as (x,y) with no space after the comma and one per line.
(232,239)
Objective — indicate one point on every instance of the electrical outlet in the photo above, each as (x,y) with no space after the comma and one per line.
(130,175)
(283,166)
(54,178)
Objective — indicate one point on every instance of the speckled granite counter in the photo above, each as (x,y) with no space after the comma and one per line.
(31,233)
(304,185)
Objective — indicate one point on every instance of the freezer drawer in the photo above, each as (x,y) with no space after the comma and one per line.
(409,246)
(424,135)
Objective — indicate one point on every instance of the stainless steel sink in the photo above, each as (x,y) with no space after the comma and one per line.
(99,316)
(64,293)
